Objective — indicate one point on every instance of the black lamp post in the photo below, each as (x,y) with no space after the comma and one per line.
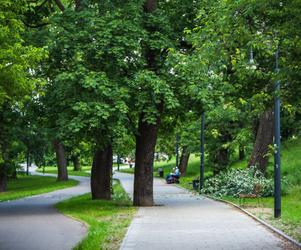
(177,150)
(277,163)
(202,157)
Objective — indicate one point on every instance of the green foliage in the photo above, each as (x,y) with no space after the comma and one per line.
(17,60)
(236,181)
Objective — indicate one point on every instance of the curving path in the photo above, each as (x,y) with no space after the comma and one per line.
(33,223)
(183,220)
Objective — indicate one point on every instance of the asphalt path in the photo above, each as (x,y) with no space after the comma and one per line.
(182,220)
(33,223)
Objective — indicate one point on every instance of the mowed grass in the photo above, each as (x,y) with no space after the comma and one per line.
(107,220)
(53,170)
(31,185)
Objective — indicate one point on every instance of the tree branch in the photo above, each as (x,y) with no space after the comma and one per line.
(60,5)
(77,5)
(150,6)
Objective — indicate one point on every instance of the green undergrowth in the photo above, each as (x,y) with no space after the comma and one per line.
(53,170)
(107,220)
(30,185)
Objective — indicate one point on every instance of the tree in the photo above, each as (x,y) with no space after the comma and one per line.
(16,63)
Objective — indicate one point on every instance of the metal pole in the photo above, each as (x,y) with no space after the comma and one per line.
(277,163)
(177,150)
(202,151)
(118,161)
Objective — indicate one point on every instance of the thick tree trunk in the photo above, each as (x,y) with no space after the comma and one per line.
(222,156)
(184,161)
(3,169)
(3,178)
(76,163)
(14,174)
(147,137)
(62,173)
(264,138)
(101,174)
(145,149)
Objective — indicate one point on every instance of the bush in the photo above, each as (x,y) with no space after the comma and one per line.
(236,181)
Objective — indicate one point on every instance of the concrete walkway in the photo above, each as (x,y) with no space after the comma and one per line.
(34,224)
(186,221)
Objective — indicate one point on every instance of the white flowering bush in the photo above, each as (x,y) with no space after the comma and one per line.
(235,181)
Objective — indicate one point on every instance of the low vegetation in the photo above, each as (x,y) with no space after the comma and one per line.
(107,220)
(31,185)
(85,171)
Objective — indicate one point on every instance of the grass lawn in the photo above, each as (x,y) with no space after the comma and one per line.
(107,220)
(53,170)
(32,185)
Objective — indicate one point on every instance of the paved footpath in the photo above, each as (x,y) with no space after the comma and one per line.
(183,220)
(34,224)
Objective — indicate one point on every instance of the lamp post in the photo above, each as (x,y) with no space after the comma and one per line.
(177,150)
(277,163)
(118,162)
(202,157)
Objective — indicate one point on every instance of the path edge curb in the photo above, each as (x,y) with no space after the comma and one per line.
(275,230)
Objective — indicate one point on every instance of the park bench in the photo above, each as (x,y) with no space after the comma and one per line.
(255,194)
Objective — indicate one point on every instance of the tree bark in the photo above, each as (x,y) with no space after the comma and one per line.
(146,138)
(76,163)
(62,174)
(60,5)
(101,174)
(150,6)
(144,160)
(264,138)
(222,157)
(3,178)
(184,161)
(3,170)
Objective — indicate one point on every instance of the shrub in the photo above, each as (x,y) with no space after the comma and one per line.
(236,181)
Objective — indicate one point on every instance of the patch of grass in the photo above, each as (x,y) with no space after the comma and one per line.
(31,185)
(107,220)
(53,170)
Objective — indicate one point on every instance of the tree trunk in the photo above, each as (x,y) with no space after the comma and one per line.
(144,160)
(222,157)
(184,161)
(3,178)
(101,174)
(264,138)
(14,174)
(147,136)
(76,163)
(241,153)
(62,173)
(3,170)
